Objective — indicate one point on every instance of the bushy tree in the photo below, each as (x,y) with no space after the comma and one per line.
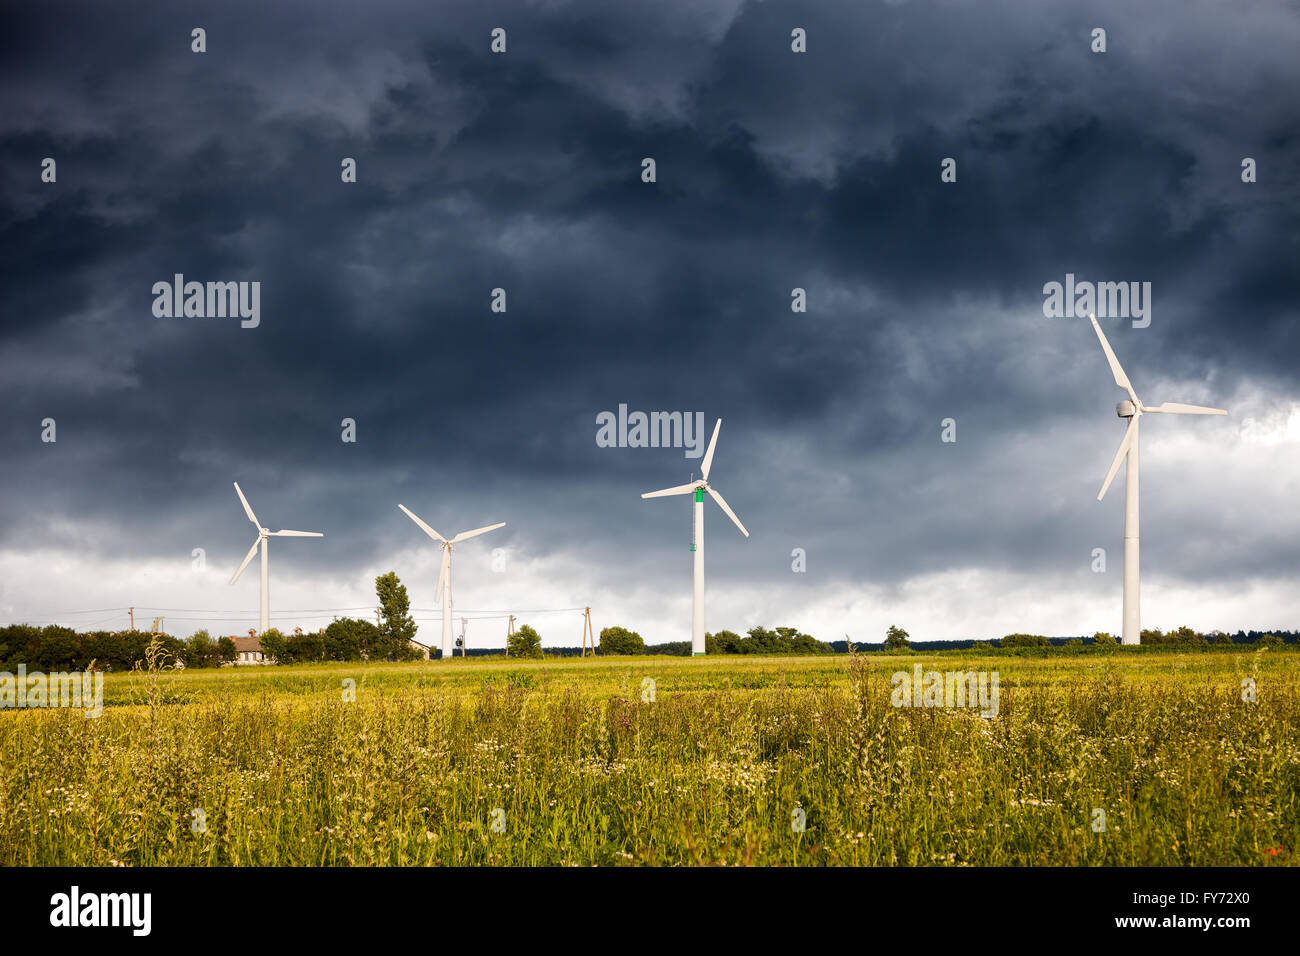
(619,640)
(723,642)
(351,639)
(1102,638)
(56,648)
(227,651)
(306,647)
(525,642)
(15,641)
(201,651)
(896,639)
(1270,640)
(275,647)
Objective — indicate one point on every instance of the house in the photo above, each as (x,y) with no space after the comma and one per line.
(422,649)
(248,650)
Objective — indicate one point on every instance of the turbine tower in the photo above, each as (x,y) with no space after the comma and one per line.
(444,576)
(264,617)
(698,488)
(1133,409)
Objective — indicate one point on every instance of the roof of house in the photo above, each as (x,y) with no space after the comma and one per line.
(244,644)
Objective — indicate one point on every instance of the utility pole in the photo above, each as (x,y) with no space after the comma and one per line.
(462,637)
(587,630)
(510,632)
(133,619)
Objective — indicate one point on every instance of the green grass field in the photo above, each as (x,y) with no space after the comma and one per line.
(574,768)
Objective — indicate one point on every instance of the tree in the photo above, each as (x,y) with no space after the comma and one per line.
(275,647)
(54,649)
(525,642)
(306,647)
(723,642)
(1103,638)
(896,639)
(226,649)
(619,640)
(201,651)
(350,639)
(1270,640)
(1185,635)
(397,629)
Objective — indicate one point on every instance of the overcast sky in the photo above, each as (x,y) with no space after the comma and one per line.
(775,170)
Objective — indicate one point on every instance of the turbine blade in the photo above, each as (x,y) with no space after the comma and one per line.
(1177,408)
(708,455)
(247,510)
(679,490)
(1120,378)
(427,530)
(465,535)
(298,534)
(1119,456)
(442,575)
(248,557)
(730,514)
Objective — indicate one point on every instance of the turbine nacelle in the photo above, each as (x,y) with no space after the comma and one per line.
(1127,409)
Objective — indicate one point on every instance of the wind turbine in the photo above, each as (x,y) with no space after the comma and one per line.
(1133,409)
(444,576)
(264,618)
(699,488)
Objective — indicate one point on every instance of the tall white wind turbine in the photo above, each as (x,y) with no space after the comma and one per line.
(698,488)
(264,618)
(1133,409)
(444,576)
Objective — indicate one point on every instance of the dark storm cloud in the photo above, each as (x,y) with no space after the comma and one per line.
(522,171)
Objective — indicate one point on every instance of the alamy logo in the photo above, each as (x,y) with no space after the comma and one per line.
(653,430)
(1107,300)
(64,689)
(103,909)
(217,300)
(947,689)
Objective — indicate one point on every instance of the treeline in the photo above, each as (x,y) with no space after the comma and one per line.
(57,648)
(347,639)
(758,640)
(1184,636)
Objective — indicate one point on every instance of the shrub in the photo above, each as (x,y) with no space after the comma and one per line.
(619,640)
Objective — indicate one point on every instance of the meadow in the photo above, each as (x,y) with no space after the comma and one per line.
(582,762)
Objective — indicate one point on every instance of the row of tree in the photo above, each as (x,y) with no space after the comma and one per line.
(759,640)
(57,648)
(1181,635)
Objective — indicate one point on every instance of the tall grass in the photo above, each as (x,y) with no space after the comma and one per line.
(287,772)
